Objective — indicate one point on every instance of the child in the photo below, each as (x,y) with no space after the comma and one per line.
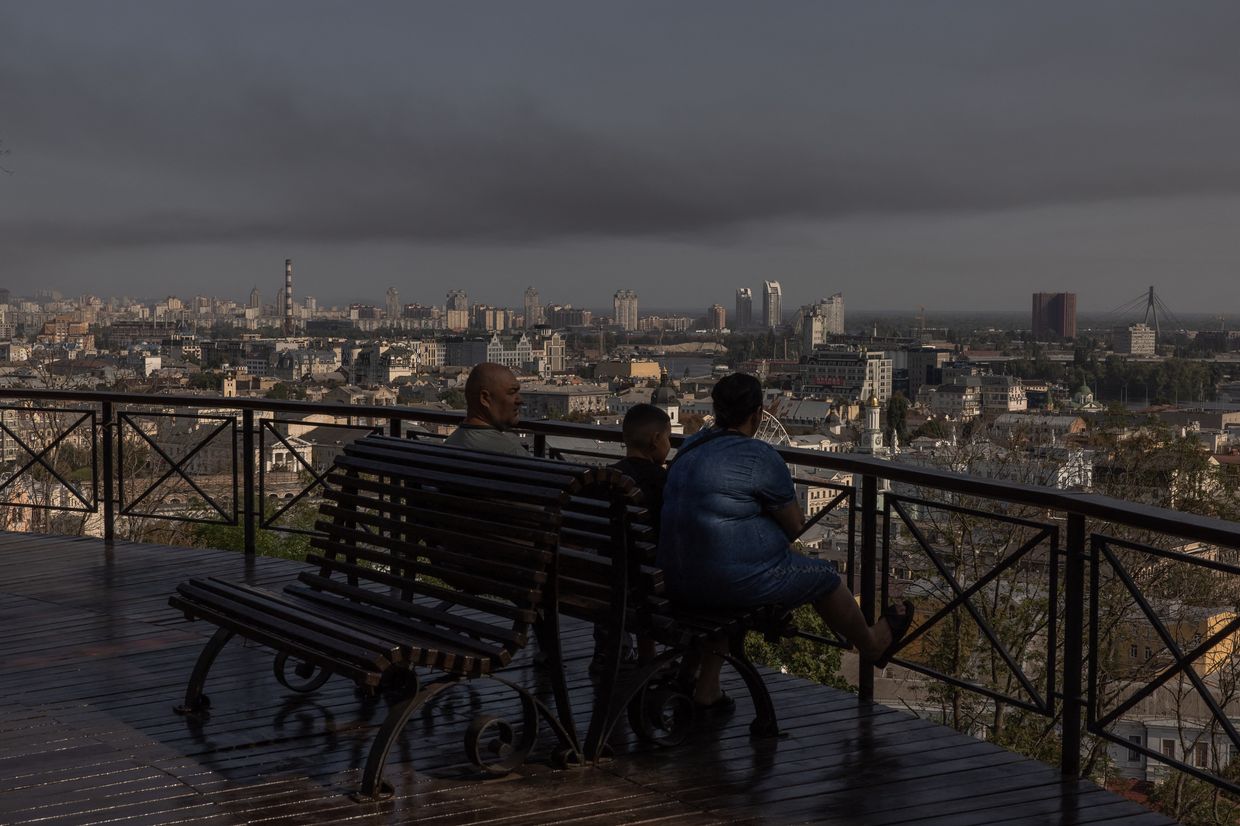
(647,440)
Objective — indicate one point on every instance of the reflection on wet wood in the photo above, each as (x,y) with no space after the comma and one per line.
(94,659)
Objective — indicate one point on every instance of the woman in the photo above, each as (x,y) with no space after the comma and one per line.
(730,513)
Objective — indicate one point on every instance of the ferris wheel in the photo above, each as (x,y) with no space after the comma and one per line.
(771,430)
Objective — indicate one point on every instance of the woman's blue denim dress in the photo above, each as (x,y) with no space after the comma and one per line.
(718,544)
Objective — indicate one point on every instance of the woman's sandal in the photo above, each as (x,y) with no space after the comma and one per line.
(899,623)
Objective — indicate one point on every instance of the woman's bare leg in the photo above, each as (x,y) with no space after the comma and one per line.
(706,690)
(843,616)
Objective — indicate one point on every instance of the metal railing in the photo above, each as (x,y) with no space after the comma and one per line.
(1076,552)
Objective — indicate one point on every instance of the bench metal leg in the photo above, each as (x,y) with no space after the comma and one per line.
(196,702)
(764,723)
(611,702)
(373,785)
(547,631)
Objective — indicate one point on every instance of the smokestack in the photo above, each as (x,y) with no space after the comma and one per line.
(288,296)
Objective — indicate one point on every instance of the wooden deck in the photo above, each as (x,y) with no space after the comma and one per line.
(92,660)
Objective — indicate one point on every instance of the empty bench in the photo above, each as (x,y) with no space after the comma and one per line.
(424,562)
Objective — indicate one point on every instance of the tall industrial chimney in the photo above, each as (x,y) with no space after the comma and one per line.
(288,296)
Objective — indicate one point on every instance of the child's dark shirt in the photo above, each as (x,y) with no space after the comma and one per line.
(651,478)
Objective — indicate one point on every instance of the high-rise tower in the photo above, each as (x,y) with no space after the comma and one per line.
(392,300)
(744,309)
(287,303)
(625,304)
(772,304)
(533,309)
(821,321)
(456,311)
(1054,314)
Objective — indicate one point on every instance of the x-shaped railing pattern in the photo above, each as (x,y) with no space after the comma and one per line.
(39,457)
(1103,552)
(177,466)
(844,494)
(319,480)
(963,597)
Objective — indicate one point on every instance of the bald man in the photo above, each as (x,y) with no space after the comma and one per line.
(492,409)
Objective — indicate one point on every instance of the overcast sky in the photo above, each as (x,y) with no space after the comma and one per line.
(945,154)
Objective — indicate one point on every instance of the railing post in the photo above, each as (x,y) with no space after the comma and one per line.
(248,515)
(109,514)
(869,559)
(540,445)
(1074,645)
(394,426)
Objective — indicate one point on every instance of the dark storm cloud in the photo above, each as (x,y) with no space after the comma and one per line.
(156,123)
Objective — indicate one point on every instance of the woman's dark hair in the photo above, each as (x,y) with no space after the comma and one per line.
(736,397)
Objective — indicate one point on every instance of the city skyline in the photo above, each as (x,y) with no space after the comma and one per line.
(960,155)
(462,299)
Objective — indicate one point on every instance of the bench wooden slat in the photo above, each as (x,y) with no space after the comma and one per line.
(458,551)
(583,565)
(541,474)
(267,615)
(365,623)
(481,534)
(471,459)
(481,486)
(522,614)
(394,611)
(414,571)
(523,516)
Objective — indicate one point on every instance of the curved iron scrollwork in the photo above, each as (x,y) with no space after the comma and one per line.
(307,676)
(491,743)
(662,713)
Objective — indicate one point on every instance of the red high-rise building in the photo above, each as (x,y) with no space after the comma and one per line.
(1054,315)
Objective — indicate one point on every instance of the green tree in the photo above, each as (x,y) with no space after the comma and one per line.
(266,542)
(1193,802)
(207,380)
(454,398)
(802,658)
(897,415)
(935,429)
(283,391)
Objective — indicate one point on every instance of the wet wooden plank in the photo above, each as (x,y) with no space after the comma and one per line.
(95,659)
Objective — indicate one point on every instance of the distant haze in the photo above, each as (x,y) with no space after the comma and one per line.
(947,154)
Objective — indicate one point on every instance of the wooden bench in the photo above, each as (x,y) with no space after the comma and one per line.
(425,561)
(607,576)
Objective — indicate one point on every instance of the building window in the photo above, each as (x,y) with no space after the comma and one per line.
(1149,653)
(1132,651)
(1201,755)
(1134,756)
(1168,748)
